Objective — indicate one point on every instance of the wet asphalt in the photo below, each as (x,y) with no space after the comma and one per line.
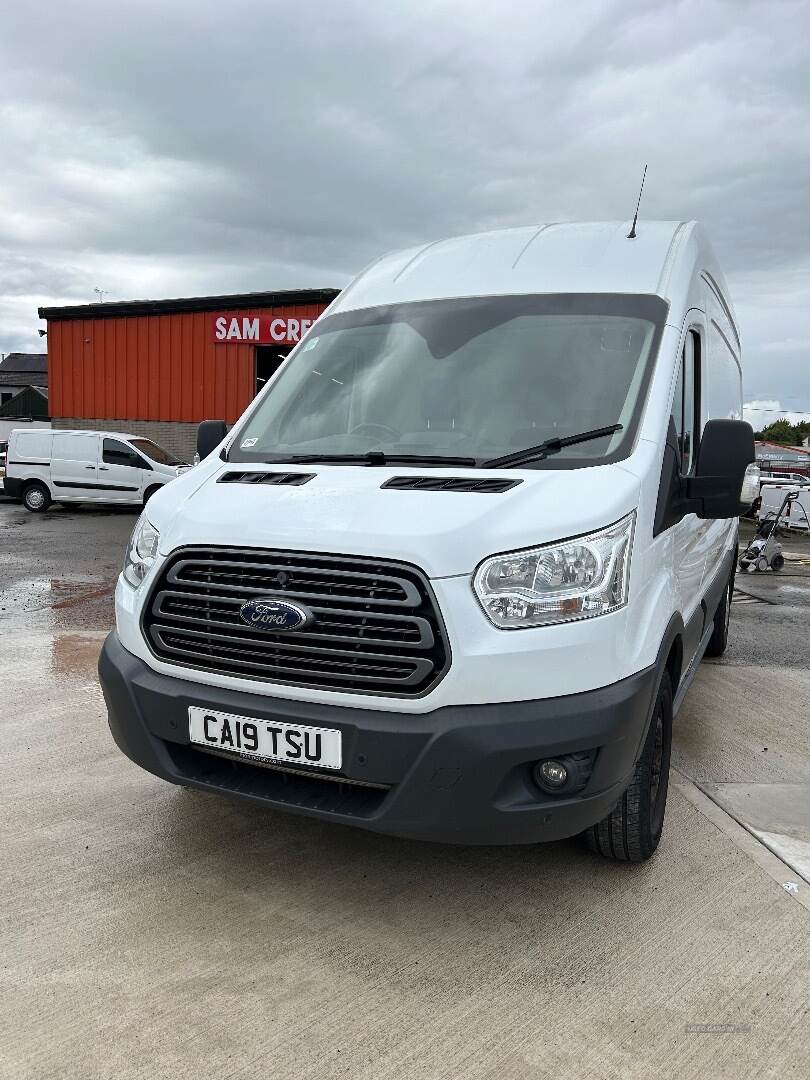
(148,931)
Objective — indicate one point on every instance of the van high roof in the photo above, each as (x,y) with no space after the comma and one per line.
(573,257)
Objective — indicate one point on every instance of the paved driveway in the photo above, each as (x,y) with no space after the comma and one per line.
(150,932)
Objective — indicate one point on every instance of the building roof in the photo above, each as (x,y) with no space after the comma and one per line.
(25,362)
(24,369)
(30,402)
(784,447)
(232,302)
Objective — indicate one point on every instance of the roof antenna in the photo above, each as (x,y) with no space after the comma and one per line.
(632,234)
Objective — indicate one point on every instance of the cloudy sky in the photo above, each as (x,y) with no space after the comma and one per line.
(171,148)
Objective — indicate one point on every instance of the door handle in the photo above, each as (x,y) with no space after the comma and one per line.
(89,466)
(101,468)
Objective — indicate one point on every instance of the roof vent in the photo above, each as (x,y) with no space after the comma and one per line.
(485,486)
(279,479)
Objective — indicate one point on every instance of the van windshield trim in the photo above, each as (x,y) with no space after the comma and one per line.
(485,313)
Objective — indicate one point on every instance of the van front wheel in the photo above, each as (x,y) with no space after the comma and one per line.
(722,617)
(632,829)
(36,498)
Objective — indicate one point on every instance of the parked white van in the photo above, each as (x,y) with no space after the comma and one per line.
(45,466)
(452,573)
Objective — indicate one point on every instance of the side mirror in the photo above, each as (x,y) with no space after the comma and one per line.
(210,434)
(726,450)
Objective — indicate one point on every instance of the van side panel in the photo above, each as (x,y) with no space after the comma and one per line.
(74,466)
(724,377)
(31,447)
(722,401)
(692,550)
(28,458)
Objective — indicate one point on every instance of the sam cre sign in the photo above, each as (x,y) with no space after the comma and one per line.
(258,329)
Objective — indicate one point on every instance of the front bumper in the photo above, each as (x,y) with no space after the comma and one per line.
(459,774)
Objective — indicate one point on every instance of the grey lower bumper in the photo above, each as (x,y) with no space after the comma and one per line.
(459,774)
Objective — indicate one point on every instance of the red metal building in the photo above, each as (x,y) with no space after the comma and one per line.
(158,367)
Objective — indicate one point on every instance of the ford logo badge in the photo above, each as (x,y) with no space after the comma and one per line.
(271,614)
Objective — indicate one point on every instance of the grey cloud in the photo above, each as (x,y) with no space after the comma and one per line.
(189,147)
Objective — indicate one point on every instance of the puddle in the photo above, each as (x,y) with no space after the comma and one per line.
(796,589)
(40,594)
(84,602)
(76,656)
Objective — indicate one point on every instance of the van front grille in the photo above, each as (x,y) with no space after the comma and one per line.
(311,791)
(376,627)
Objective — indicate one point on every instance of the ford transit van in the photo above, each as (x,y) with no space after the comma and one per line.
(47,466)
(452,573)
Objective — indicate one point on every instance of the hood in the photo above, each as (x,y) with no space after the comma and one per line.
(165,470)
(345,510)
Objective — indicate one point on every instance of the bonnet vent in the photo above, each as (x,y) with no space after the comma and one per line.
(287,479)
(485,486)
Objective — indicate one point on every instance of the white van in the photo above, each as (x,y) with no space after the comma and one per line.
(46,466)
(452,573)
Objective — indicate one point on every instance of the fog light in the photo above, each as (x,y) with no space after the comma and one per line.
(566,774)
(551,775)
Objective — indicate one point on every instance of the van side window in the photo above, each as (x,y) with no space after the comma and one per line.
(118,453)
(686,403)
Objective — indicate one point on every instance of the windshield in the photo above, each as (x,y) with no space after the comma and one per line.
(478,378)
(155,452)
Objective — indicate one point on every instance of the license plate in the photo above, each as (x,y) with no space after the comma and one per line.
(293,744)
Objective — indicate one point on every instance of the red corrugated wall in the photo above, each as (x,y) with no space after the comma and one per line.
(153,367)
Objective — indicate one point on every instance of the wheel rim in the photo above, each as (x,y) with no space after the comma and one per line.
(34,498)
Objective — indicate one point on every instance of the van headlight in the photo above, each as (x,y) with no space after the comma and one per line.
(141,551)
(556,583)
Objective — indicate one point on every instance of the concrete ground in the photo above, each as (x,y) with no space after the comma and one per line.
(149,932)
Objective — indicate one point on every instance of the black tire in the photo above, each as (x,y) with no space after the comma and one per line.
(632,829)
(722,617)
(36,497)
(150,491)
(777,562)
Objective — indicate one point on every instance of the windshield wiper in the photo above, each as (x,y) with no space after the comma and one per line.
(545,449)
(377,457)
